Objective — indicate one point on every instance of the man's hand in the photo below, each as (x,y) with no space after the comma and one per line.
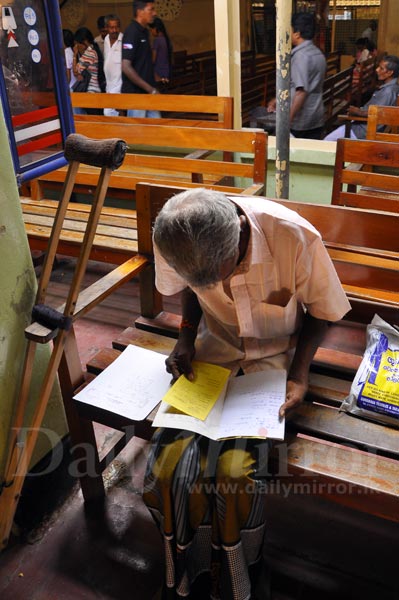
(295,394)
(356,111)
(179,361)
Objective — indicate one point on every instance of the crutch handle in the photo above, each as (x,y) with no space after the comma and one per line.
(97,153)
(50,317)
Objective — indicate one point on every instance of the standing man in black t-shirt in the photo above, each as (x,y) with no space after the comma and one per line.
(137,68)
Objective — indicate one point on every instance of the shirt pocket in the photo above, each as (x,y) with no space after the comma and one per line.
(275,320)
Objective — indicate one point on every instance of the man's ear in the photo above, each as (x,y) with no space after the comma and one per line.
(295,36)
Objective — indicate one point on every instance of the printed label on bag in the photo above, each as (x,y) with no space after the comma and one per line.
(380,390)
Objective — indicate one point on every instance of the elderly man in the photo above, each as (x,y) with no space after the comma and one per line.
(386,95)
(258,290)
(113,59)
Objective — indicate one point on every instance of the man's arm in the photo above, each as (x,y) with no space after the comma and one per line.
(310,337)
(297,102)
(135,78)
(179,361)
(357,112)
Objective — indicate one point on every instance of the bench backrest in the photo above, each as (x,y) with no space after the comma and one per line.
(217,111)
(333,60)
(383,116)
(253,143)
(365,187)
(337,90)
(366,80)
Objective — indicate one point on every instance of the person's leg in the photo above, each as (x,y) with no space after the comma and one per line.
(239,502)
(308,134)
(79,111)
(140,114)
(208,500)
(338,133)
(177,500)
(111,112)
(150,114)
(153,114)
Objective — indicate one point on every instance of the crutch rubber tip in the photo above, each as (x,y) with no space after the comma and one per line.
(50,317)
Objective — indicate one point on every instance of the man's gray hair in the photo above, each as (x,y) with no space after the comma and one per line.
(196,232)
(392,63)
(111,17)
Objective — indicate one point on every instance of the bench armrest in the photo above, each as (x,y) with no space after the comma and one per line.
(91,296)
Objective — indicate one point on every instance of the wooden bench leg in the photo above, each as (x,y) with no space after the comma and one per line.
(83,441)
(36,189)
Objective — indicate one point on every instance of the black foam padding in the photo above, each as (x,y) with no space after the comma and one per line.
(97,153)
(50,317)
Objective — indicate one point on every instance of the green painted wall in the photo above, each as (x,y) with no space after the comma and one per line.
(311,170)
(17,293)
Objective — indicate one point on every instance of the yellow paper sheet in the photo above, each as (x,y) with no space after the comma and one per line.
(197,398)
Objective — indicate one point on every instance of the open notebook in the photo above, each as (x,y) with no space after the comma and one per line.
(135,383)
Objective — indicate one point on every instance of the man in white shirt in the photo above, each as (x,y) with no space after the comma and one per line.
(113,59)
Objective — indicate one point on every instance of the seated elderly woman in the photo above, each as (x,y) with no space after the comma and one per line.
(258,290)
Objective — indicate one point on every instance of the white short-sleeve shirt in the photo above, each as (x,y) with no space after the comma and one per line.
(286,270)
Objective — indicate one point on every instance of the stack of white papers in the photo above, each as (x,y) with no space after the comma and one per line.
(136,382)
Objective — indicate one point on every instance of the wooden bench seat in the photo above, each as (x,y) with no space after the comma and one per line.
(325,453)
(115,240)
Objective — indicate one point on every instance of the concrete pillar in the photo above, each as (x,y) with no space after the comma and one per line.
(17,293)
(388,34)
(228,53)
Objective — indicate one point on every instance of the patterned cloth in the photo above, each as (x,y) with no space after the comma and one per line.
(89,61)
(208,500)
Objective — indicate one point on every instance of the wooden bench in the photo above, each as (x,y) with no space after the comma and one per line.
(160,153)
(115,238)
(364,81)
(326,453)
(337,91)
(366,174)
(333,60)
(180,110)
(361,243)
(383,124)
(386,117)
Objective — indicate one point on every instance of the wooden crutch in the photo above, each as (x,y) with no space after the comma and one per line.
(109,155)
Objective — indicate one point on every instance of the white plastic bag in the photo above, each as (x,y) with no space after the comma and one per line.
(374,392)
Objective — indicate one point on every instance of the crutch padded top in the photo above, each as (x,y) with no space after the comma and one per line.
(50,317)
(97,153)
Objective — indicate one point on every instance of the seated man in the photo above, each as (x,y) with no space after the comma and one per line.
(258,290)
(386,95)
